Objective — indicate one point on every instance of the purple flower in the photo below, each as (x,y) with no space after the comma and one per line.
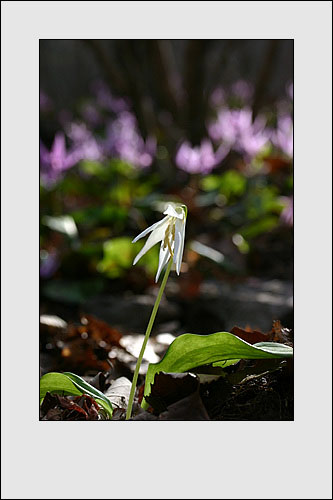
(251,145)
(200,159)
(87,147)
(235,129)
(54,162)
(124,141)
(224,128)
(282,137)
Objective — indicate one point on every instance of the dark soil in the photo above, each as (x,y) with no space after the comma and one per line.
(267,397)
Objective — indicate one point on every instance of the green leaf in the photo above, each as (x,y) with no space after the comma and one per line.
(57,383)
(189,351)
(118,256)
(231,183)
(70,384)
(86,388)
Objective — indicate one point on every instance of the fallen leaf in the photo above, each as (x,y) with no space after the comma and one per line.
(99,380)
(119,391)
(55,407)
(280,334)
(249,335)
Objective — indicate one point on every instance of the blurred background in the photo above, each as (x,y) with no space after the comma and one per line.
(126,125)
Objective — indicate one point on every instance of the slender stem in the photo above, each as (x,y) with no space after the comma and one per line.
(149,327)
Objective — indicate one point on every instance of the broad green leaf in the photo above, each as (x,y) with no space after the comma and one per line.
(189,351)
(57,383)
(70,384)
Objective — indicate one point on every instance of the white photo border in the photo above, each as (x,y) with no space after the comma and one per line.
(172,459)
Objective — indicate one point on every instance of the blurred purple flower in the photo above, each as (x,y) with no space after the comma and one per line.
(200,159)
(282,137)
(87,147)
(49,263)
(287,214)
(124,141)
(235,128)
(54,162)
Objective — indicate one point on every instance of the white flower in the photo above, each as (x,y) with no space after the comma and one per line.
(170,231)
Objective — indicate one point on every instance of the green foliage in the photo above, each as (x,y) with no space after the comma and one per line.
(258,227)
(233,183)
(85,216)
(190,351)
(57,383)
(118,256)
(69,384)
(230,184)
(261,200)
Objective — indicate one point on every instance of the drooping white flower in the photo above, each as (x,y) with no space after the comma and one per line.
(170,231)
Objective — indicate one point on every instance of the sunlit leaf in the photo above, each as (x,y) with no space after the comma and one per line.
(189,351)
(69,384)
(57,383)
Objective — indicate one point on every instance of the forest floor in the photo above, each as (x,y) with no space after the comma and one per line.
(100,341)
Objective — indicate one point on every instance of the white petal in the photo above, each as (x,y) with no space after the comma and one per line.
(156,236)
(163,259)
(179,244)
(170,210)
(149,229)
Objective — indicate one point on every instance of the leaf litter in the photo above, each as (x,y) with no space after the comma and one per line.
(249,390)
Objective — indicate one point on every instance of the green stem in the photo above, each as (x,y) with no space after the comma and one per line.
(149,327)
